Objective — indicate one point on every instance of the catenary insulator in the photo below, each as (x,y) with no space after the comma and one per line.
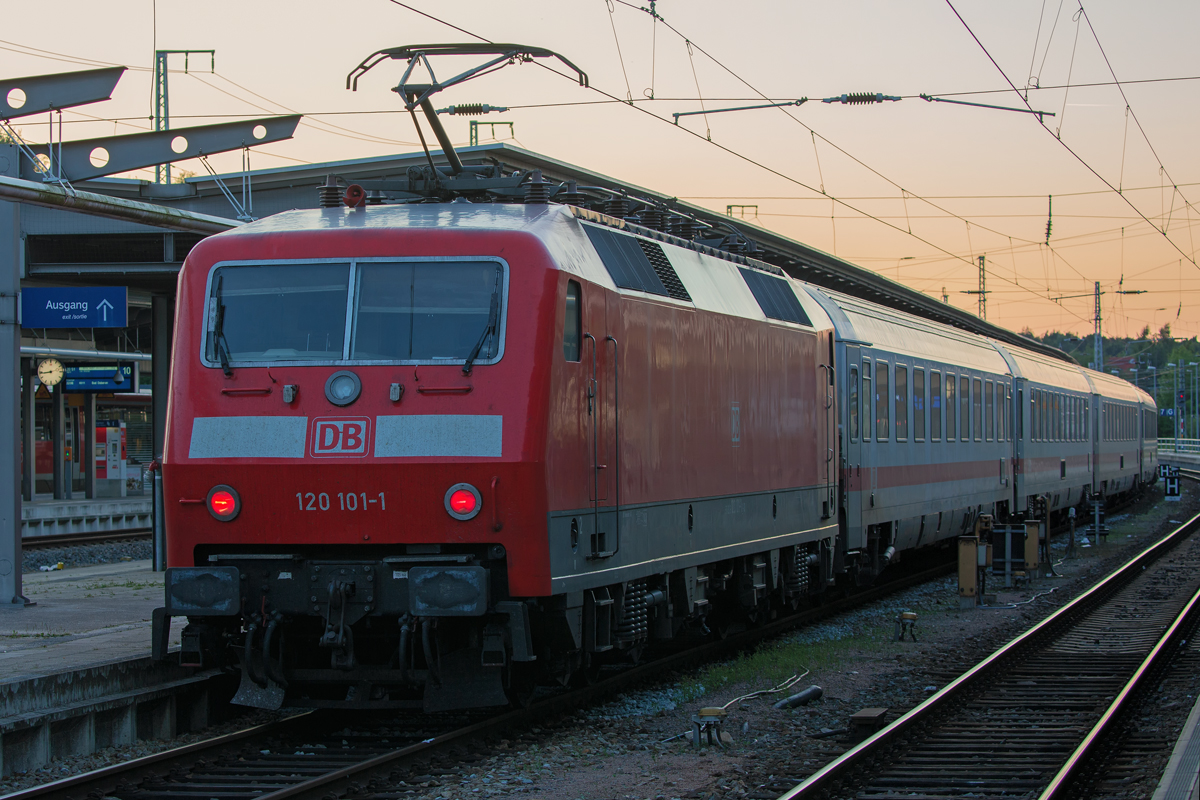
(471,109)
(859,98)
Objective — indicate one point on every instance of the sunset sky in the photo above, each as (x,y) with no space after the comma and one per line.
(914,190)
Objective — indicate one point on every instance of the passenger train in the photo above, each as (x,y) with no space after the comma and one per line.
(433,454)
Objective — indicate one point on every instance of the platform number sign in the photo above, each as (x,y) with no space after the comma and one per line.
(1171,479)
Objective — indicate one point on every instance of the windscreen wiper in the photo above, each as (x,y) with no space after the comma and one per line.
(493,321)
(222,346)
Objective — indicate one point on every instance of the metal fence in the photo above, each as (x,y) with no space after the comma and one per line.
(1180,445)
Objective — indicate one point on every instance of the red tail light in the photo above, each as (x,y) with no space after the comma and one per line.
(223,502)
(463,501)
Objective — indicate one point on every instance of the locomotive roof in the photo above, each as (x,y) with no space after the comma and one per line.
(797,259)
(475,216)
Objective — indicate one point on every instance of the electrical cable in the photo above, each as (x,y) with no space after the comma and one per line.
(1121,89)
(1037,38)
(794,118)
(620,57)
(1068,148)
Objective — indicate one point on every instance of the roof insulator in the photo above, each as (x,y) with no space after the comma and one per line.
(537,191)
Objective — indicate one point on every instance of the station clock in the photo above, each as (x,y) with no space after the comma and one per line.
(50,371)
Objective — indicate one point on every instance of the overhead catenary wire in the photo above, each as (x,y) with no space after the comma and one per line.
(1068,148)
(1121,89)
(800,122)
(731,151)
(903,192)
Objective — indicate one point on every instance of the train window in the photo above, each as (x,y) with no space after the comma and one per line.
(1033,413)
(427,310)
(989,411)
(1051,416)
(1010,419)
(901,403)
(951,407)
(1087,419)
(1018,402)
(572,323)
(964,409)
(1043,415)
(280,312)
(882,396)
(853,409)
(977,404)
(1000,406)
(866,400)
(935,405)
(919,405)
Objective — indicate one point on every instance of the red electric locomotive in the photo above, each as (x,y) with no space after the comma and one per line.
(430,454)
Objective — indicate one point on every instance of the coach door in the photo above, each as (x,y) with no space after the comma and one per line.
(601,394)
(1020,426)
(853,446)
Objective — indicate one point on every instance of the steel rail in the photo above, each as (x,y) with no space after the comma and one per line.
(106,779)
(841,767)
(1059,785)
(335,784)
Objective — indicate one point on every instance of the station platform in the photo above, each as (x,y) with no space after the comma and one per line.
(1180,459)
(45,517)
(83,617)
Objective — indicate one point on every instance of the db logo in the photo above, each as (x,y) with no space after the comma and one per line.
(341,436)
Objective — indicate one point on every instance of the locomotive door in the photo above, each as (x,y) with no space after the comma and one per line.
(826,396)
(600,405)
(853,449)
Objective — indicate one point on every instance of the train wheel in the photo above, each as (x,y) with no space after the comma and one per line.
(588,673)
(520,684)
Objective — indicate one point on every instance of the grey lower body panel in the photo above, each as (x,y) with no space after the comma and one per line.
(653,539)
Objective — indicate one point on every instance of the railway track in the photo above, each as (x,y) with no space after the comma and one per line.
(1045,715)
(317,755)
(73,539)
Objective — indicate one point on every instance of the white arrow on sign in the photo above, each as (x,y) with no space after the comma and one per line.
(105,306)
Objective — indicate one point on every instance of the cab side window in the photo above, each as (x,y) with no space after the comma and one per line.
(572,324)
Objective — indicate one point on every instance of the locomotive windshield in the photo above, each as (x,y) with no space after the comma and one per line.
(368,311)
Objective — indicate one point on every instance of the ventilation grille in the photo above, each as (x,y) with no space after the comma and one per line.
(663,269)
(775,297)
(636,264)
